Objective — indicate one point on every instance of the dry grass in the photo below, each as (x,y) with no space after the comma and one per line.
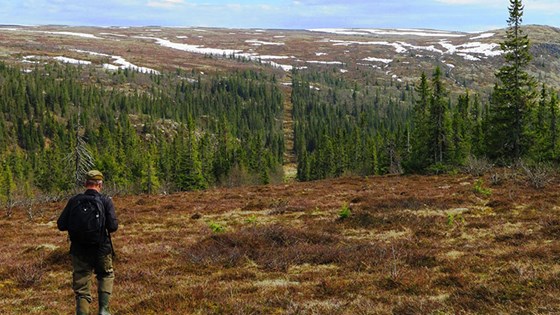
(411,245)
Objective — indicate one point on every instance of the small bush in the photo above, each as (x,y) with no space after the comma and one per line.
(216,227)
(440,168)
(455,219)
(479,189)
(477,166)
(29,275)
(251,220)
(539,175)
(344,212)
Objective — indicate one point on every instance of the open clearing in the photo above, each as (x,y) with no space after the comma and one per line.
(411,245)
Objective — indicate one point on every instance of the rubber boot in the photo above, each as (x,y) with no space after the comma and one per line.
(82,306)
(104,303)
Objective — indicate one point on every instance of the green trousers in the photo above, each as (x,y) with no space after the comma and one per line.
(83,267)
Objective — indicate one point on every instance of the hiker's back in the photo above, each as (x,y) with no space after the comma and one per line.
(89,219)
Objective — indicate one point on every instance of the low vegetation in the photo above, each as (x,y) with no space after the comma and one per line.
(409,245)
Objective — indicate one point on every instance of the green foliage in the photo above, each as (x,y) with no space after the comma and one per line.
(202,127)
(480,189)
(251,220)
(455,219)
(344,212)
(216,227)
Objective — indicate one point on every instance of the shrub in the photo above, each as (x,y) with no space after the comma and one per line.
(276,247)
(440,168)
(344,212)
(539,174)
(455,218)
(216,227)
(251,220)
(28,275)
(477,166)
(479,189)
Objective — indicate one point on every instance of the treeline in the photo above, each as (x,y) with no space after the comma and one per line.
(348,128)
(174,132)
(362,129)
(367,130)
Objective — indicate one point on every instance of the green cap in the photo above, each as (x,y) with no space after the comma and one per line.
(94,175)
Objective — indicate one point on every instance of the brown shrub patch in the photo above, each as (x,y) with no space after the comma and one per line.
(58,259)
(273,247)
(29,274)
(276,247)
(550,228)
(514,239)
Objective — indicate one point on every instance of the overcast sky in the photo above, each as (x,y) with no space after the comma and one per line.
(460,15)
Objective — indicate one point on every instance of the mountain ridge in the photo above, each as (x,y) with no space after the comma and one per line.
(392,54)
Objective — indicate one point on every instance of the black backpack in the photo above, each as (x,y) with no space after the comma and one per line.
(86,223)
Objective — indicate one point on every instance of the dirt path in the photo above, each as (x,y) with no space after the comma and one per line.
(290,161)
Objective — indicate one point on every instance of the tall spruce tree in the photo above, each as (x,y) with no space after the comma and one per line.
(419,157)
(553,127)
(439,128)
(513,96)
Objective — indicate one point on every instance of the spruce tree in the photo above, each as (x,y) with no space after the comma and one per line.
(419,158)
(438,133)
(553,124)
(513,96)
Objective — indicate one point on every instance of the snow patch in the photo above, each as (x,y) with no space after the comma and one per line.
(398,48)
(399,32)
(197,49)
(84,35)
(427,48)
(125,64)
(484,35)
(264,57)
(373,59)
(72,60)
(468,57)
(120,61)
(26,59)
(112,34)
(487,50)
(257,42)
(325,62)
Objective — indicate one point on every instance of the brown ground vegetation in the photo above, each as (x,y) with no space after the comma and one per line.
(411,245)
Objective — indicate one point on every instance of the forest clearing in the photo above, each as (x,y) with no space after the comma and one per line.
(451,244)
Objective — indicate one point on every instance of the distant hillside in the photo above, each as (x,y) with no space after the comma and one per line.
(468,60)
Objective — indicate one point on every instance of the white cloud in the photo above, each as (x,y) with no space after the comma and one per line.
(540,5)
(550,6)
(165,3)
(472,2)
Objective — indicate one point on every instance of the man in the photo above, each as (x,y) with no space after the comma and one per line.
(91,250)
